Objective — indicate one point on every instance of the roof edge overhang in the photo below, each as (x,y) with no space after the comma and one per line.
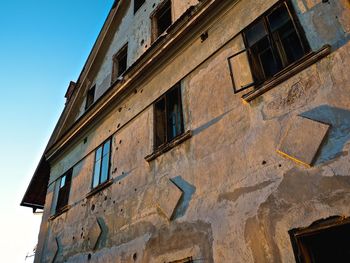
(35,194)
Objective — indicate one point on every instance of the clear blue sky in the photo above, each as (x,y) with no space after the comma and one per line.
(43,45)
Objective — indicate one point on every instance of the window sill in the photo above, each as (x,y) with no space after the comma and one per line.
(99,188)
(288,72)
(60,212)
(167,147)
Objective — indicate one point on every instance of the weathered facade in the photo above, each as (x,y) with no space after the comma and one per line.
(218,133)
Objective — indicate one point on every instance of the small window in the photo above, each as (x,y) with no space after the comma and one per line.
(161,19)
(325,241)
(138,4)
(185,260)
(168,120)
(90,97)
(64,189)
(102,164)
(274,41)
(120,63)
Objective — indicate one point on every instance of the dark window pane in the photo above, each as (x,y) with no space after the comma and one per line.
(164,18)
(160,122)
(63,193)
(96,177)
(122,61)
(265,61)
(256,33)
(328,245)
(269,63)
(104,169)
(138,4)
(174,120)
(278,18)
(290,42)
(90,97)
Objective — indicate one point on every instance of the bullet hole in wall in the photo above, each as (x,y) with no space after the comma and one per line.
(134,256)
(142,42)
(85,140)
(93,207)
(135,189)
(280,165)
(263,162)
(135,91)
(204,36)
(118,125)
(120,109)
(89,256)
(105,198)
(120,142)
(154,5)
(141,91)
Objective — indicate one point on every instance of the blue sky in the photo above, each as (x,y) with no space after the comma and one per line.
(43,45)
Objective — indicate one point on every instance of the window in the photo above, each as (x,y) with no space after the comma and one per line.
(102,163)
(138,4)
(64,189)
(161,19)
(168,120)
(90,97)
(185,260)
(120,63)
(324,241)
(273,42)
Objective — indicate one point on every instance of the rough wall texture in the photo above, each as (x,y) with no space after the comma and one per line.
(239,196)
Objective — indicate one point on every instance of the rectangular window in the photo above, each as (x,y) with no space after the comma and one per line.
(324,241)
(161,19)
(270,44)
(168,119)
(120,63)
(274,41)
(102,164)
(90,97)
(185,260)
(138,4)
(64,189)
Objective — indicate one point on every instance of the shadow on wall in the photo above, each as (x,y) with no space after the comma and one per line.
(339,133)
(188,191)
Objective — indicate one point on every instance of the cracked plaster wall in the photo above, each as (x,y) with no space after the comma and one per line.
(242,196)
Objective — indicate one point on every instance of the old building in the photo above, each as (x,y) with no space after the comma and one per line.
(204,131)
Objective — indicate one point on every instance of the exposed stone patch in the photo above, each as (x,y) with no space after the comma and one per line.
(233,196)
(293,203)
(178,236)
